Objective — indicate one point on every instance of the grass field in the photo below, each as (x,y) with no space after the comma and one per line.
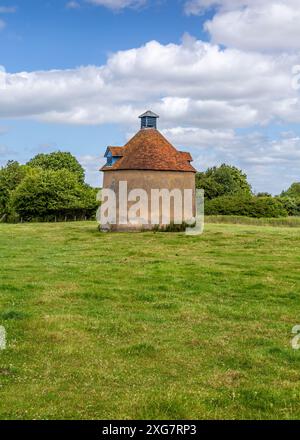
(292,222)
(149,325)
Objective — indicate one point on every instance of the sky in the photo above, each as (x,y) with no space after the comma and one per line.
(224,76)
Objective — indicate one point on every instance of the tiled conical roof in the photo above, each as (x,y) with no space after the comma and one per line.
(150,150)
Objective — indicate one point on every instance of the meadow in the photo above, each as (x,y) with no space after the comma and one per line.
(149,325)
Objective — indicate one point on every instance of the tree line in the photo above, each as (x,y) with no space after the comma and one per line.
(52,187)
(49,187)
(228,192)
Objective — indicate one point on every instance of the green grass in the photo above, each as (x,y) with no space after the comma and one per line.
(149,325)
(292,222)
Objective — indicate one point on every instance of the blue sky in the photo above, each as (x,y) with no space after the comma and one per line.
(75,76)
(46,34)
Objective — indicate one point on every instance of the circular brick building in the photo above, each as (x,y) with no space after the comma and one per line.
(149,162)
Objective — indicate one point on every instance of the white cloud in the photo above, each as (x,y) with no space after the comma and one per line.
(73,5)
(198,137)
(270,25)
(205,87)
(271,164)
(91,165)
(5,152)
(7,9)
(261,157)
(202,93)
(199,6)
(118,4)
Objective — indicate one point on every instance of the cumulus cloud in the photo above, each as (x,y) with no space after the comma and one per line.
(91,165)
(5,151)
(206,87)
(200,6)
(270,25)
(265,159)
(7,9)
(261,157)
(198,137)
(118,4)
(203,92)
(73,5)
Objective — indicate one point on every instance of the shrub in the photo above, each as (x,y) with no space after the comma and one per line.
(293,191)
(223,180)
(246,206)
(10,177)
(47,194)
(292,205)
(58,161)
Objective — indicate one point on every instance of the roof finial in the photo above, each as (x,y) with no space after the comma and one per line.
(149,120)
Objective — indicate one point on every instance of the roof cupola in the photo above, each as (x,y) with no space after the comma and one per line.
(149,120)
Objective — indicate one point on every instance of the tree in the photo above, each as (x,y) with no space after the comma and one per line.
(4,201)
(241,205)
(223,180)
(293,191)
(10,177)
(44,193)
(263,194)
(292,205)
(58,161)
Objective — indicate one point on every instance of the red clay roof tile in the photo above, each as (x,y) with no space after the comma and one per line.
(150,150)
(187,156)
(116,151)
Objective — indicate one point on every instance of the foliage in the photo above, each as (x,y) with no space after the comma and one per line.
(50,186)
(293,191)
(10,177)
(44,193)
(4,199)
(223,180)
(292,205)
(246,206)
(57,161)
(263,194)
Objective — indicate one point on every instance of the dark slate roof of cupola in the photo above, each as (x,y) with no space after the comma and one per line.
(150,114)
